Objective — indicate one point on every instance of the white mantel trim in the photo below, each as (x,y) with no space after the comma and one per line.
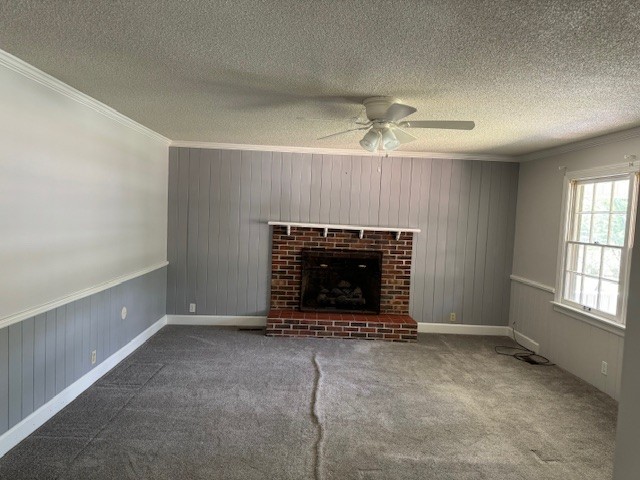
(332,226)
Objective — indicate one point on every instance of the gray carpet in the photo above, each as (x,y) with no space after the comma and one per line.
(214,403)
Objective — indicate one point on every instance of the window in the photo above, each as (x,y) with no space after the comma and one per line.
(597,243)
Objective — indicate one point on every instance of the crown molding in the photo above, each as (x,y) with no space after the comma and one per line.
(29,71)
(581,145)
(338,151)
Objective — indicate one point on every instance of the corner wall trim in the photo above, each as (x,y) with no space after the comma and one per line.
(217,320)
(533,283)
(27,426)
(525,341)
(23,68)
(58,302)
(461,329)
(581,144)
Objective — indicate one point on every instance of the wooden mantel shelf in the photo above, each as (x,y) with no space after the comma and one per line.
(332,226)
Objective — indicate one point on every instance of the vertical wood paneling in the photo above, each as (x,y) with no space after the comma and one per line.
(345,172)
(172,226)
(60,334)
(69,343)
(193,223)
(264,255)
(441,243)
(354,192)
(39,360)
(461,258)
(255,221)
(244,232)
(461,241)
(41,356)
(4,380)
(50,354)
(315,190)
(183,230)
(225,220)
(374,191)
(204,192)
(28,344)
(15,374)
(574,345)
(432,240)
(233,226)
(84,307)
(470,246)
(214,250)
(451,235)
(491,256)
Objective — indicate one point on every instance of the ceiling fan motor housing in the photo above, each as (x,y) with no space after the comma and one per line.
(377,107)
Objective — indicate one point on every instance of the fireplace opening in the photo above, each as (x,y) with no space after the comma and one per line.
(346,281)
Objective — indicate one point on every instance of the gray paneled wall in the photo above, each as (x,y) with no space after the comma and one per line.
(41,356)
(219,242)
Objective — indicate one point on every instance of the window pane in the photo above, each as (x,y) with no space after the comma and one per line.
(620,196)
(573,287)
(592,260)
(600,228)
(611,263)
(590,292)
(575,257)
(582,228)
(585,197)
(603,196)
(609,297)
(618,227)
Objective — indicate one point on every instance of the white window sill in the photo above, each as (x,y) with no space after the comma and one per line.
(590,318)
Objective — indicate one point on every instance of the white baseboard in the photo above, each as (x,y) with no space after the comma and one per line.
(526,341)
(217,320)
(459,329)
(27,426)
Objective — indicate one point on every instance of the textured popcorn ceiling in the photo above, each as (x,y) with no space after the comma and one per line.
(531,74)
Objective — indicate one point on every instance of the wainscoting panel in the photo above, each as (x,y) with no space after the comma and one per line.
(574,345)
(219,242)
(42,355)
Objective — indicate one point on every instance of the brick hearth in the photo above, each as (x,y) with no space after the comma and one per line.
(393,323)
(290,323)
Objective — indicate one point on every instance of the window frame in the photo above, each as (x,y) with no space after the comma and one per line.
(571,181)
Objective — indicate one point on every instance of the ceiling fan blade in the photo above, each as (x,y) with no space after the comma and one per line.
(397,111)
(343,132)
(448,124)
(403,136)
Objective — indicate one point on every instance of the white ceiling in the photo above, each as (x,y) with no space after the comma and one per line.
(531,74)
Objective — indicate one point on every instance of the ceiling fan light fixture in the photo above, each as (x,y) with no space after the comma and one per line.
(370,141)
(389,140)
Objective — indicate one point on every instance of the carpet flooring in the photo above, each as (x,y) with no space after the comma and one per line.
(218,403)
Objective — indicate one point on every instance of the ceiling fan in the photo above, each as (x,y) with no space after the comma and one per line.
(384,128)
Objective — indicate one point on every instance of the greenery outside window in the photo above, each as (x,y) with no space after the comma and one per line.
(597,243)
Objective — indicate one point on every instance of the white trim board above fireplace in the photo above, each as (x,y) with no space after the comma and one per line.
(332,226)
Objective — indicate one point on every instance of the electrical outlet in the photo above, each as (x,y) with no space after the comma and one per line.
(452,317)
(93,357)
(604,368)
(192,308)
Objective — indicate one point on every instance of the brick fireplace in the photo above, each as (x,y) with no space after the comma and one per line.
(393,322)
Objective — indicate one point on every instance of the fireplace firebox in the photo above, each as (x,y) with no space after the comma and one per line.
(347,281)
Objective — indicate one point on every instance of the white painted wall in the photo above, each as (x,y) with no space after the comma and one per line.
(83,197)
(574,345)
